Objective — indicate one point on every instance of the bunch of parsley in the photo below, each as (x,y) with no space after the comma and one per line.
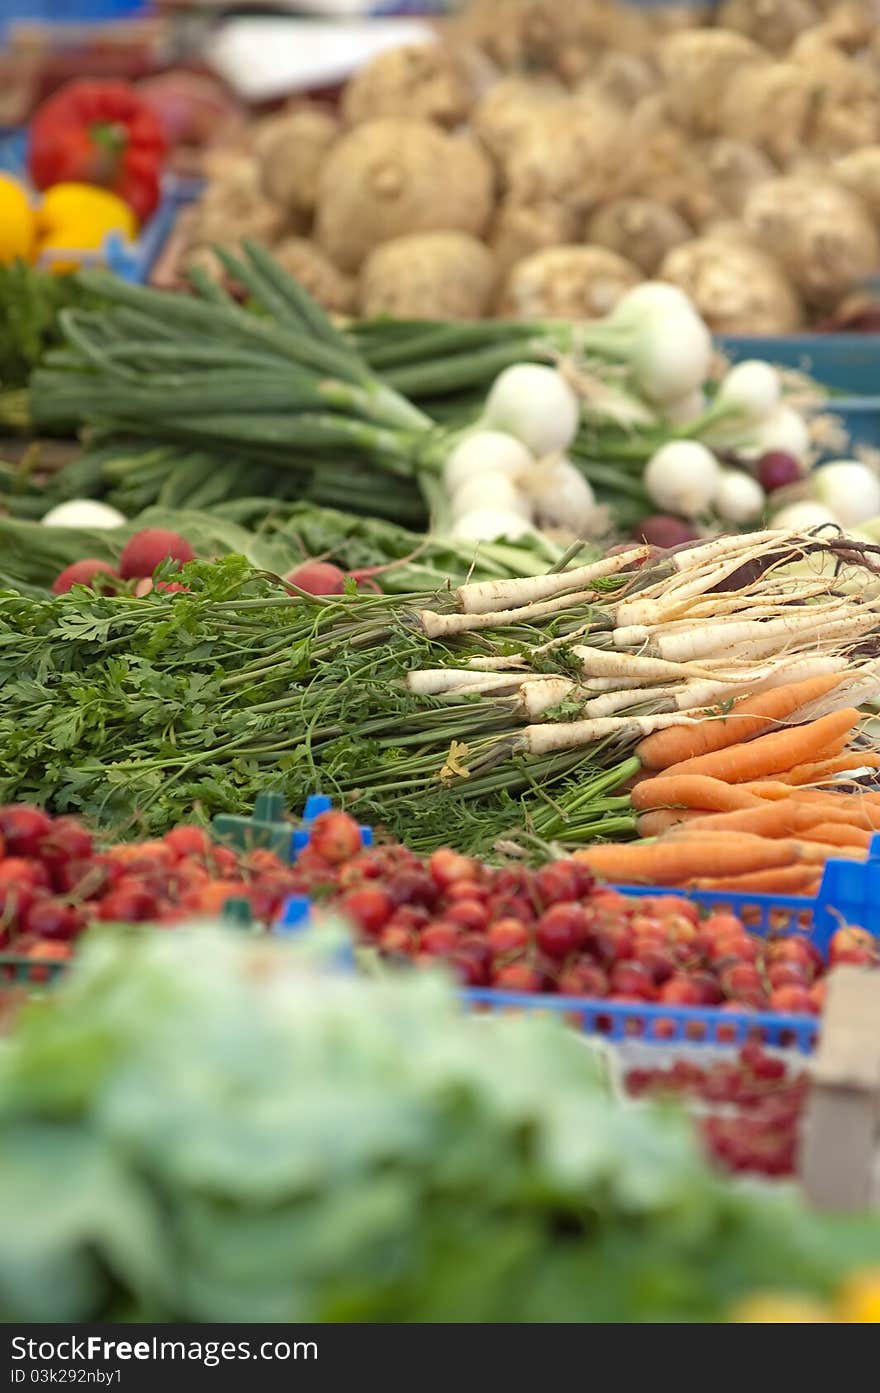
(30,304)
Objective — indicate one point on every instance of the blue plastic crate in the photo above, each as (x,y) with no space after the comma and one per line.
(132,261)
(846,363)
(69,12)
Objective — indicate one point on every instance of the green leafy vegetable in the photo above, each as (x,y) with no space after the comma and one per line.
(31,302)
(200,1127)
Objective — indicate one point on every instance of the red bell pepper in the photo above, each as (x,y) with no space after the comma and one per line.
(99,133)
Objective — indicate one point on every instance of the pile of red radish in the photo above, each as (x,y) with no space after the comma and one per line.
(749,1108)
(554,931)
(54,881)
(154,546)
(141,555)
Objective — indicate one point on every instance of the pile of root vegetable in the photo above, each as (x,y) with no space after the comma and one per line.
(733,151)
(503,714)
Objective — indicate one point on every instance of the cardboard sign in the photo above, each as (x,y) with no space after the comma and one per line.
(840,1148)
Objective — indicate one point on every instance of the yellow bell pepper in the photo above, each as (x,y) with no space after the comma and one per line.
(780,1308)
(17,222)
(859,1299)
(77,218)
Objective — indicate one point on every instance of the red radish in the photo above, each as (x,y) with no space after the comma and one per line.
(507,936)
(15,901)
(170,587)
(187,841)
(412,887)
(517,977)
(54,919)
(369,908)
(146,550)
(260,860)
(23,828)
(777,469)
(318,578)
(441,938)
(448,866)
(663,530)
(397,939)
(67,840)
(18,870)
(561,930)
(89,877)
(467,890)
(81,573)
(128,906)
(469,970)
(410,916)
(680,991)
(583,979)
(632,981)
(794,1000)
(557,883)
(659,963)
(467,914)
(335,837)
(268,894)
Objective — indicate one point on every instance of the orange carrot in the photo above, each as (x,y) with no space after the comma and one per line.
(781,880)
(839,834)
(770,754)
(792,816)
(656,821)
(691,791)
(755,715)
(771,790)
(676,862)
(819,852)
(826,768)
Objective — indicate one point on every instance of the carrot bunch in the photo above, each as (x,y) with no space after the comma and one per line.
(737,802)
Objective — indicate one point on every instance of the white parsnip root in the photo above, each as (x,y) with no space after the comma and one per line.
(572,735)
(430,681)
(444,625)
(721,621)
(481,597)
(635,667)
(542,693)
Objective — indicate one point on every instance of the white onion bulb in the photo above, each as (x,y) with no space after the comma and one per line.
(562,497)
(494,491)
(849,489)
(800,516)
(536,405)
(682,477)
(753,389)
(739,498)
(784,429)
(486,452)
(490,524)
(85,513)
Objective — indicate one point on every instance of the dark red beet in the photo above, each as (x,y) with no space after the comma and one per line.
(777,469)
(665,531)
